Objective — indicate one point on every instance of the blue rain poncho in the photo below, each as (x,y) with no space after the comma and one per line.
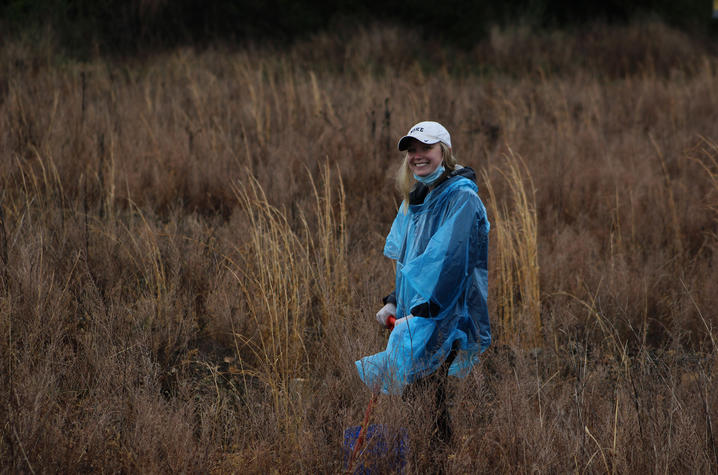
(441,249)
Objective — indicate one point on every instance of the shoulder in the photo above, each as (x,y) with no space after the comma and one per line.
(461,179)
(461,191)
(466,172)
(458,184)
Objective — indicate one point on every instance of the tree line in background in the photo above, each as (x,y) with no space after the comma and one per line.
(83,27)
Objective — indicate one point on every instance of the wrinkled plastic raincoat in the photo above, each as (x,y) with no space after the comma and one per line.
(441,249)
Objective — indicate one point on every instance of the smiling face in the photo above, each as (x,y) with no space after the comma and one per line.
(422,158)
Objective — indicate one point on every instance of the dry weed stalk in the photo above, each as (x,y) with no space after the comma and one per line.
(274,280)
(152,265)
(330,269)
(516,237)
(280,272)
(671,200)
(709,162)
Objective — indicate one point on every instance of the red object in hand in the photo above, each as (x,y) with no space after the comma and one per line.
(390,322)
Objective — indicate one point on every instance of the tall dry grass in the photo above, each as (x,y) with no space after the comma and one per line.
(191,251)
(518,293)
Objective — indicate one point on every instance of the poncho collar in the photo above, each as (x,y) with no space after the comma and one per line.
(418,194)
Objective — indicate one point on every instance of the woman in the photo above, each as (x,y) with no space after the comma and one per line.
(439,240)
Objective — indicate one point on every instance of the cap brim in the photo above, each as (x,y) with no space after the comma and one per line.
(405,140)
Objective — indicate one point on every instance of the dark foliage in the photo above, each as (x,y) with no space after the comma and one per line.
(129,27)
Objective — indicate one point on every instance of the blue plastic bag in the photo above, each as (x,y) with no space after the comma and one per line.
(383,450)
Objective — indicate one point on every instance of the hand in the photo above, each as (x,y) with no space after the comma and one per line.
(382,316)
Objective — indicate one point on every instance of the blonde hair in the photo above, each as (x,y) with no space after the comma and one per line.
(405,178)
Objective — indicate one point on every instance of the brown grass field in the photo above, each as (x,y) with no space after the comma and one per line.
(191,251)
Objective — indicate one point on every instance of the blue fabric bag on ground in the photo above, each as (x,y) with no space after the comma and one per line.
(441,252)
(383,451)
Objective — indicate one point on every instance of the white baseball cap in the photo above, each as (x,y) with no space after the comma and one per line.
(427,132)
